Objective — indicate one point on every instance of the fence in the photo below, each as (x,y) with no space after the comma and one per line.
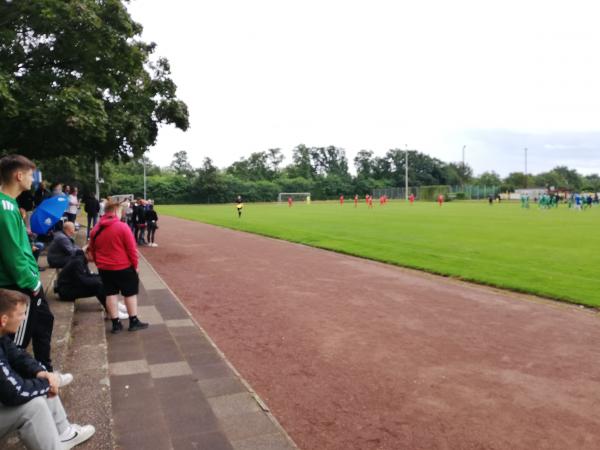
(466,192)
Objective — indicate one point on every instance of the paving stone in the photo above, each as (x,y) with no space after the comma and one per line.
(217,370)
(177,323)
(171,310)
(150,438)
(128,386)
(172,369)
(128,367)
(264,442)
(150,314)
(185,385)
(200,359)
(120,353)
(206,441)
(221,386)
(243,426)
(186,418)
(229,405)
(162,352)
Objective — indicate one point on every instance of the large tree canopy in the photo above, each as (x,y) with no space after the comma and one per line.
(76,78)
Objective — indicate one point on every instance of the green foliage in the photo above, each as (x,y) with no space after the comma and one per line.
(431,193)
(76,79)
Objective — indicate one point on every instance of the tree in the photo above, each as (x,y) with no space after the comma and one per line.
(591,183)
(516,180)
(572,178)
(329,161)
(363,162)
(302,163)
(489,179)
(180,163)
(76,78)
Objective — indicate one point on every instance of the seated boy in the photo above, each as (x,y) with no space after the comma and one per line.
(29,400)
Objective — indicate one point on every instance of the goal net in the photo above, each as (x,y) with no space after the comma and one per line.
(296,196)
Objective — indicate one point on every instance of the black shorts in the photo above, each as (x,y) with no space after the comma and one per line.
(125,281)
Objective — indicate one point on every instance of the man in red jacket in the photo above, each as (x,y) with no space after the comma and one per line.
(113,249)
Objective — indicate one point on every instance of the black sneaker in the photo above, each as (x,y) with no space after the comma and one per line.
(117,328)
(138,326)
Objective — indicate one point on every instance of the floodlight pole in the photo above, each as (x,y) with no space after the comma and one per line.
(463,154)
(525,166)
(406,173)
(144,164)
(97,173)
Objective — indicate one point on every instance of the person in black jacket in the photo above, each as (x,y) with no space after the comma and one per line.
(41,194)
(76,281)
(139,221)
(29,400)
(92,208)
(152,225)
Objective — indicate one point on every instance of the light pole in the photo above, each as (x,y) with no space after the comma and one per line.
(406,172)
(96,171)
(463,152)
(525,166)
(144,164)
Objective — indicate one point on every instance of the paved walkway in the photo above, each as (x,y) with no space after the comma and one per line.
(171,388)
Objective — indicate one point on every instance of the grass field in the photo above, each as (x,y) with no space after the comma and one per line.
(553,253)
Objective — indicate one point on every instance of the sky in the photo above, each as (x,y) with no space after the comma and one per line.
(494,77)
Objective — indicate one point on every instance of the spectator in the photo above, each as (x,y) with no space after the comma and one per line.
(102,206)
(29,400)
(129,216)
(113,249)
(152,224)
(56,189)
(76,280)
(92,208)
(41,194)
(73,205)
(62,247)
(139,221)
(25,201)
(18,268)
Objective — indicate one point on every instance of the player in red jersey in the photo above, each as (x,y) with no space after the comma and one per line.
(355,200)
(441,199)
(342,199)
(290,201)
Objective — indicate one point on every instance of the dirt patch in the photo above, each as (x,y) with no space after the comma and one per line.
(354,354)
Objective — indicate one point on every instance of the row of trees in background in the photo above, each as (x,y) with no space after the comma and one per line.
(322,171)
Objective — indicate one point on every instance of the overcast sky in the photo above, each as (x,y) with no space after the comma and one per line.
(496,76)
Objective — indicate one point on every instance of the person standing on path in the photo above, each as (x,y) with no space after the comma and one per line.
(18,267)
(152,225)
(92,208)
(113,249)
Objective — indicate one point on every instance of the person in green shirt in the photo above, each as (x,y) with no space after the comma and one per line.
(18,268)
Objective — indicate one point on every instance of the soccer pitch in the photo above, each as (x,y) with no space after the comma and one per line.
(553,253)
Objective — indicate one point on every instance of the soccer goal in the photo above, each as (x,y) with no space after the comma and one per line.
(296,196)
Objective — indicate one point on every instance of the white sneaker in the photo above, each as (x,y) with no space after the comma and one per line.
(154,244)
(75,435)
(123,315)
(65,379)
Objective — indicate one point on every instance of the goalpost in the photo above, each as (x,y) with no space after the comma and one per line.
(296,196)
